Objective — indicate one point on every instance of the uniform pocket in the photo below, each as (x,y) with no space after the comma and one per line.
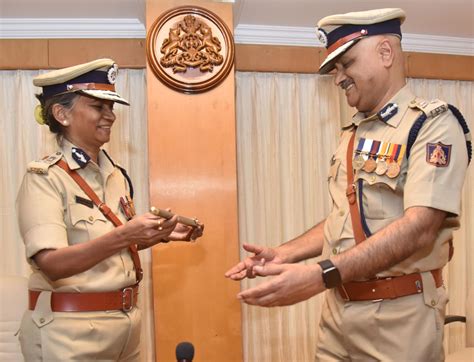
(87,223)
(81,213)
(381,197)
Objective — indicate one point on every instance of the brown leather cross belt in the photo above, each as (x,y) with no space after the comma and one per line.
(124,300)
(387,288)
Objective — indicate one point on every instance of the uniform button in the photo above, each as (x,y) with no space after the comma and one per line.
(341,212)
(372,178)
(433,302)
(91,218)
(42,320)
(128,273)
(334,251)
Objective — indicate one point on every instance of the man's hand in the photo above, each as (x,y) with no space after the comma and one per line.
(292,283)
(262,255)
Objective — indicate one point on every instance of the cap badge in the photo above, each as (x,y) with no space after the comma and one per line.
(323,37)
(112,73)
(80,157)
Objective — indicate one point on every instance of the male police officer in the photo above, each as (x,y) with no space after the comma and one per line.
(395,181)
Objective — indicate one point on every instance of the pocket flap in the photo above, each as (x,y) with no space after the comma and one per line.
(372,178)
(80,212)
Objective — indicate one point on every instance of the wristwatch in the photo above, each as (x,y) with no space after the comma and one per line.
(331,276)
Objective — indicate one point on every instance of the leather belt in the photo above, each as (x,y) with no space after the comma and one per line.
(387,288)
(124,300)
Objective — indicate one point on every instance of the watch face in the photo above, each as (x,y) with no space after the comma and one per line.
(331,276)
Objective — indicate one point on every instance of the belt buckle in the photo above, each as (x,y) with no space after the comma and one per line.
(127,291)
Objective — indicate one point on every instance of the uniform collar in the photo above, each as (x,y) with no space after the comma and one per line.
(401,100)
(106,165)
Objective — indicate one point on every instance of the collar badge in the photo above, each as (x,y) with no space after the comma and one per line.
(388,111)
(80,157)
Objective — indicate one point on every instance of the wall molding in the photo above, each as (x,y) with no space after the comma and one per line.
(74,28)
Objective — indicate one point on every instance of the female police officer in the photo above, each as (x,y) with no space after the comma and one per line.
(77,221)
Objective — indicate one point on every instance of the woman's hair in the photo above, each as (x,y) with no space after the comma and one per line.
(66,100)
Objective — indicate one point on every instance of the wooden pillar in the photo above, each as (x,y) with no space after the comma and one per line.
(192,152)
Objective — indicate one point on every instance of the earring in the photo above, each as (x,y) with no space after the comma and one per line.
(65,123)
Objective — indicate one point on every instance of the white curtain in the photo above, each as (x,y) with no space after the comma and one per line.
(287,129)
(23,140)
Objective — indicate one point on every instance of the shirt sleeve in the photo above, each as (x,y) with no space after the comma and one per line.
(437,165)
(40,213)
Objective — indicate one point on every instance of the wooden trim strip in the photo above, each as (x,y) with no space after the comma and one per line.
(288,59)
(60,53)
(130,53)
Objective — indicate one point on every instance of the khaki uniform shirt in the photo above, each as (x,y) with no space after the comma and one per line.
(51,217)
(419,183)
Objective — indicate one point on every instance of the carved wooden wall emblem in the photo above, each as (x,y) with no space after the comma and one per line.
(190,49)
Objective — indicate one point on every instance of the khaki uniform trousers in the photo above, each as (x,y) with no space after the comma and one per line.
(403,329)
(86,336)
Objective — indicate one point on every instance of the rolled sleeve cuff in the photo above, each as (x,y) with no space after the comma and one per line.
(46,236)
(436,196)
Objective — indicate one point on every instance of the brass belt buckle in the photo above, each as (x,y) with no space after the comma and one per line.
(127,307)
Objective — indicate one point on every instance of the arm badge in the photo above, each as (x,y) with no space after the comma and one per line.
(438,154)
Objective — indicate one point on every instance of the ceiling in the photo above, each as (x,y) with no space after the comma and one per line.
(449,18)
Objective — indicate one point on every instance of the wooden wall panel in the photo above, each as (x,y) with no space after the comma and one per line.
(130,53)
(289,59)
(440,66)
(193,170)
(60,53)
(24,54)
(274,58)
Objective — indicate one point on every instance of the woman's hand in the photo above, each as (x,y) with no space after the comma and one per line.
(185,233)
(147,230)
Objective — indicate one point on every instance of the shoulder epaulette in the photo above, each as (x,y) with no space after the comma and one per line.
(42,166)
(430,108)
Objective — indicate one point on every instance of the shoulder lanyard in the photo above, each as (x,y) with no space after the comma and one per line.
(106,211)
(359,235)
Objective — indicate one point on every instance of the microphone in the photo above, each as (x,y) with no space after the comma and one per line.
(184,352)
